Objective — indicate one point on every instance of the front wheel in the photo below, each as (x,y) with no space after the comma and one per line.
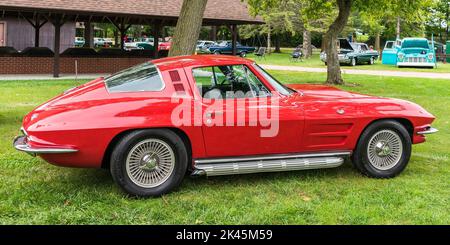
(149,163)
(383,150)
(243,54)
(353,62)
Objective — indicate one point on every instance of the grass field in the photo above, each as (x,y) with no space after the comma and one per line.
(314,61)
(34,192)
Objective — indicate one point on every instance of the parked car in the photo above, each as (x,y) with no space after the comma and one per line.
(164,45)
(416,52)
(225,47)
(102,42)
(203,46)
(410,52)
(128,123)
(353,53)
(79,42)
(139,43)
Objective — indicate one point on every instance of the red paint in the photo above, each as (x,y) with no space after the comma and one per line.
(88,118)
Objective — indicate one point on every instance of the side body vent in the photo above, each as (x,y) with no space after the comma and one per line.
(177,83)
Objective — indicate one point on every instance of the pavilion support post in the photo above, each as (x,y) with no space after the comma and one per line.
(234,36)
(123,28)
(156,32)
(57,23)
(88,34)
(213,34)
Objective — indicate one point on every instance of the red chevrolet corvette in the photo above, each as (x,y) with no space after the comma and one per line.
(217,115)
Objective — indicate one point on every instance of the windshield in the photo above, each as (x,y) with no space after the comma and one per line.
(282,89)
(223,44)
(419,43)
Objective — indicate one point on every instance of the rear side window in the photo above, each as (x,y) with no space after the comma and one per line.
(140,78)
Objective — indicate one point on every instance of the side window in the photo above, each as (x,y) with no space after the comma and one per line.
(364,48)
(143,77)
(227,82)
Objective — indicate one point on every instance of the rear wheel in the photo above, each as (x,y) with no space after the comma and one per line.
(383,150)
(371,61)
(243,54)
(353,62)
(217,52)
(149,162)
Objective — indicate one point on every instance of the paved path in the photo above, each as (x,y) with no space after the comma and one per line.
(49,77)
(362,72)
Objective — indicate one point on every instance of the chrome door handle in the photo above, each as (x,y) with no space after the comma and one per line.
(213,113)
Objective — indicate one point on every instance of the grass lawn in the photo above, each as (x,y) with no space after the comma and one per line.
(283,60)
(34,192)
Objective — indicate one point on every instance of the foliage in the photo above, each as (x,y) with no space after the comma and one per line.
(35,192)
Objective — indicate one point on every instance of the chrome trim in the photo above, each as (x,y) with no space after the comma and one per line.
(279,165)
(273,157)
(20,145)
(428,131)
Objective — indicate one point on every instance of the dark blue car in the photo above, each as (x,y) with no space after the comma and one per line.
(225,47)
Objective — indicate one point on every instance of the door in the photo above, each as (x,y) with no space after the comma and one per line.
(389,54)
(2,34)
(242,117)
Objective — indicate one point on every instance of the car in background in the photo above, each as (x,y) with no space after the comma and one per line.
(102,42)
(164,45)
(352,53)
(139,43)
(416,52)
(79,42)
(203,46)
(225,47)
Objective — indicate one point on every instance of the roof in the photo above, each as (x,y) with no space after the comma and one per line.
(230,11)
(198,61)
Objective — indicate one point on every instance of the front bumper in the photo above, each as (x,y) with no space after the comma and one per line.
(428,130)
(415,64)
(21,144)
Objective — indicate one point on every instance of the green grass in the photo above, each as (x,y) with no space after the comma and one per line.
(315,62)
(34,192)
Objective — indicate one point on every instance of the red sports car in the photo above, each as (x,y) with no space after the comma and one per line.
(218,115)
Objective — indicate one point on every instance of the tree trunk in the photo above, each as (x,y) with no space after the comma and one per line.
(269,46)
(378,42)
(307,48)
(188,27)
(277,44)
(397,30)
(333,67)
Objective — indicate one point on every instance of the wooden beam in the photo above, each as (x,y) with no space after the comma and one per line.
(57,23)
(234,32)
(156,32)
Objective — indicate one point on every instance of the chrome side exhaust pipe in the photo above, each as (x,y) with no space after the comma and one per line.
(274,163)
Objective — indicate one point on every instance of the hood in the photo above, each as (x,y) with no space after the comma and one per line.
(325,92)
(345,44)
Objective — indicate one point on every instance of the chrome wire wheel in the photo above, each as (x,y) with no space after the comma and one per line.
(150,163)
(385,149)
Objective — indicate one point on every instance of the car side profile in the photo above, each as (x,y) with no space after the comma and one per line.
(217,115)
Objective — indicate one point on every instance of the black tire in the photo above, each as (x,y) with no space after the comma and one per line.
(361,159)
(217,52)
(125,145)
(371,61)
(243,54)
(353,62)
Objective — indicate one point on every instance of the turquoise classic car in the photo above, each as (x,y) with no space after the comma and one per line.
(410,52)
